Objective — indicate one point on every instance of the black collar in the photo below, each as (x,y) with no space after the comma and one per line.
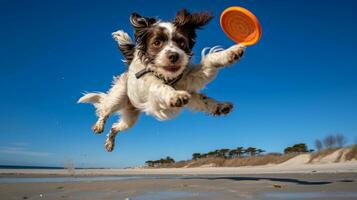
(170,82)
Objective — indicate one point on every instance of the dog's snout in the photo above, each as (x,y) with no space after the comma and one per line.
(173,56)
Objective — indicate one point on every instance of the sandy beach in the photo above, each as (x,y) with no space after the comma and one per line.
(284,181)
(245,186)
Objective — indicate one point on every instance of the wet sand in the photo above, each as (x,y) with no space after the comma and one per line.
(189,187)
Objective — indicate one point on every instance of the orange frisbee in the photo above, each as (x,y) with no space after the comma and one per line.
(241,25)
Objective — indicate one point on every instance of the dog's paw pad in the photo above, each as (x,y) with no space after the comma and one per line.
(236,53)
(180,99)
(109,144)
(223,109)
(98,127)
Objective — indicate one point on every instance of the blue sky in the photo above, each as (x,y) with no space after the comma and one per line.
(298,84)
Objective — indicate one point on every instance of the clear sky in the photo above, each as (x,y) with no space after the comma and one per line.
(298,84)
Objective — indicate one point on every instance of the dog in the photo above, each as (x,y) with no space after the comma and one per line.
(160,79)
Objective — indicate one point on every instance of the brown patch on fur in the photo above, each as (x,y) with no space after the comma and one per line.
(155,33)
(128,52)
(142,25)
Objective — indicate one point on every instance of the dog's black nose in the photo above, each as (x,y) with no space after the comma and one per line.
(173,56)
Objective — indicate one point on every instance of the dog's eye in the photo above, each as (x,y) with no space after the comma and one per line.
(182,44)
(157,43)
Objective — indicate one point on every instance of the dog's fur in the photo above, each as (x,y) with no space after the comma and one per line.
(164,49)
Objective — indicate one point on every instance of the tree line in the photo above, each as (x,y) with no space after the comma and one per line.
(330,141)
(229,153)
(160,162)
(297,148)
(219,153)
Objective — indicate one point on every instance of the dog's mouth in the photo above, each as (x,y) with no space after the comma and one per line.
(172,68)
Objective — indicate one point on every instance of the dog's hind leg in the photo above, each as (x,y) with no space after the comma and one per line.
(202,103)
(129,116)
(111,102)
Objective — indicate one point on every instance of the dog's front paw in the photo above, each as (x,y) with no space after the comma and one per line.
(180,99)
(222,109)
(235,53)
(109,144)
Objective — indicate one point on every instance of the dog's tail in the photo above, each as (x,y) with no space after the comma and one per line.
(93,98)
(125,45)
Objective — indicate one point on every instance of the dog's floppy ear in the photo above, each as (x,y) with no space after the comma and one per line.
(188,20)
(140,23)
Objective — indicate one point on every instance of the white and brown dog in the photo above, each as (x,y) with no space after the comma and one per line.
(161,80)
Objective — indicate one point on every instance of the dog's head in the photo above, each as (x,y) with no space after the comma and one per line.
(166,47)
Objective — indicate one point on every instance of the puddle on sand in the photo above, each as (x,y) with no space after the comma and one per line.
(168,195)
(310,195)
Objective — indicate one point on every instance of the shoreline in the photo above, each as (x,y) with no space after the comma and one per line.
(345,167)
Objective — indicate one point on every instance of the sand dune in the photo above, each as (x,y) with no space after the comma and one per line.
(297,160)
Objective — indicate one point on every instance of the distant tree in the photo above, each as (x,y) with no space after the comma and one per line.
(203,155)
(330,141)
(251,151)
(196,156)
(302,147)
(240,151)
(169,160)
(318,145)
(150,163)
(288,150)
(212,154)
(340,140)
(162,161)
(296,148)
(259,151)
(217,153)
(232,153)
(244,152)
(223,153)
